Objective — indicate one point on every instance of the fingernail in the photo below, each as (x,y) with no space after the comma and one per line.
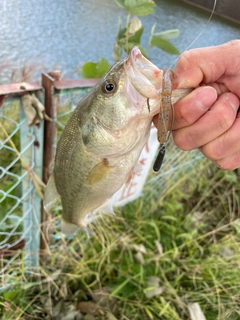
(233,100)
(205,97)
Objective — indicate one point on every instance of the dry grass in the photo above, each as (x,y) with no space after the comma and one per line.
(104,274)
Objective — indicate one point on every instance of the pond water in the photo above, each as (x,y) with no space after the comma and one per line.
(60,34)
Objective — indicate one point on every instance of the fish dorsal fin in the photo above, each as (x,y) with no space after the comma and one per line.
(99,172)
(51,195)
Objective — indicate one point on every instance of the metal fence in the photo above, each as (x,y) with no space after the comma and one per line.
(66,95)
(26,157)
(20,170)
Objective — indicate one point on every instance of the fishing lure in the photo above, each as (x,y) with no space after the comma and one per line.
(166,111)
(165,118)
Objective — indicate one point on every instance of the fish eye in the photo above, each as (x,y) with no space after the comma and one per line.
(109,86)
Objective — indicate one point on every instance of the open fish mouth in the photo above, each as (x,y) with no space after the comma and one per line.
(143,74)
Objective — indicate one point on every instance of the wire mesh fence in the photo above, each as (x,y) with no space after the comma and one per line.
(26,152)
(22,154)
(176,164)
(20,203)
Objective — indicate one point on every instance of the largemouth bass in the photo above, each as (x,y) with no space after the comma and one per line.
(99,148)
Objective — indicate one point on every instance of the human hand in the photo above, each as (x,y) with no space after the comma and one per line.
(209,118)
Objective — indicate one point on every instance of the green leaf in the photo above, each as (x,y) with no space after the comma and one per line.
(163,45)
(134,25)
(121,34)
(168,34)
(128,43)
(120,3)
(95,69)
(134,33)
(136,37)
(144,52)
(137,7)
(125,289)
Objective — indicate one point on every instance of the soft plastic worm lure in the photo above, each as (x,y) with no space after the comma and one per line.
(165,118)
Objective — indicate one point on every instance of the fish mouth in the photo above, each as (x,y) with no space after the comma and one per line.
(143,74)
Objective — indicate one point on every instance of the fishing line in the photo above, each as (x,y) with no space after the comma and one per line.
(199,35)
(162,149)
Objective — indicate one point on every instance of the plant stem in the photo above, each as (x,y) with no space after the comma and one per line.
(127,33)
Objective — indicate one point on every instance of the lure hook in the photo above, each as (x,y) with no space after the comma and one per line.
(148,105)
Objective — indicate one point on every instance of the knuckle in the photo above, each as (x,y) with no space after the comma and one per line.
(231,162)
(214,151)
(184,57)
(181,118)
(225,164)
(224,120)
(183,141)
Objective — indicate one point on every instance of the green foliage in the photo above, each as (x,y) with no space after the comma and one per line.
(164,45)
(16,301)
(95,70)
(130,35)
(137,7)
(160,40)
(192,212)
(197,225)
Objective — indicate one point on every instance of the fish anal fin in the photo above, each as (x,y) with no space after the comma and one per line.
(99,172)
(68,228)
(51,195)
(107,207)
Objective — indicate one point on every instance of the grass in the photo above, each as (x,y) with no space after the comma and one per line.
(177,245)
(106,273)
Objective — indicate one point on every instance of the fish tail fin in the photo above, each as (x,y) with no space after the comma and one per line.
(51,195)
(68,228)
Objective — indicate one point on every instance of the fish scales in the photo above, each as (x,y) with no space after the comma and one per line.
(98,150)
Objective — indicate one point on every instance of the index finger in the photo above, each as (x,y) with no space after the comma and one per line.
(193,106)
(208,65)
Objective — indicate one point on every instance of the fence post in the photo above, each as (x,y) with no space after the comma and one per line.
(49,139)
(31,200)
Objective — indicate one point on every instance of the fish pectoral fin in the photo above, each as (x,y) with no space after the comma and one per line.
(138,168)
(99,172)
(129,177)
(135,170)
(51,195)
